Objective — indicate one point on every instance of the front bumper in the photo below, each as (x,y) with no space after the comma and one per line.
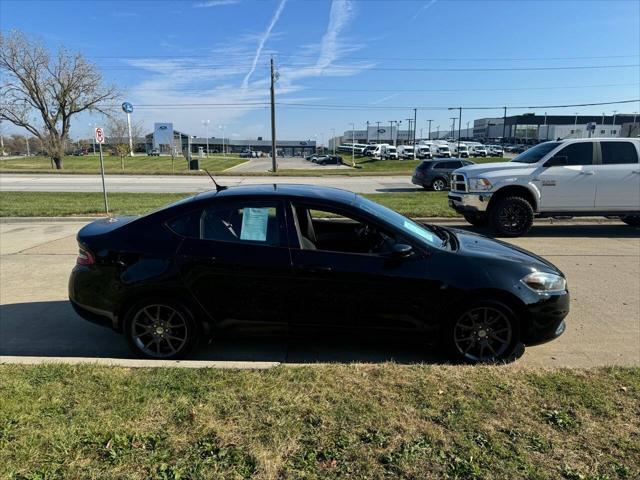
(546,319)
(466,202)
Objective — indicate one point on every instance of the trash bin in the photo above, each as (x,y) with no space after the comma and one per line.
(194,164)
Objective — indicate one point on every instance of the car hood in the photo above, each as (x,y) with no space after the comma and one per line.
(482,168)
(477,245)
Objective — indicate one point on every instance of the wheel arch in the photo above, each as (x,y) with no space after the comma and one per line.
(493,294)
(514,190)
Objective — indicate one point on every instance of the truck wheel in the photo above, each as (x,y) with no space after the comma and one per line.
(477,220)
(633,220)
(511,216)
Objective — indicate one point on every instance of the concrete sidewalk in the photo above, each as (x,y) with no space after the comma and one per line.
(601,261)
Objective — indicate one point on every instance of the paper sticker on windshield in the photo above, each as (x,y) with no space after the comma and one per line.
(254,224)
(412,227)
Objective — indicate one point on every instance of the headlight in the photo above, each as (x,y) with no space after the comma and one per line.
(479,184)
(545,282)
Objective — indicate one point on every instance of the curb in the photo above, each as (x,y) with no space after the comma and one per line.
(138,363)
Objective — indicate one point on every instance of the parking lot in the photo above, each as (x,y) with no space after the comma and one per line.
(601,261)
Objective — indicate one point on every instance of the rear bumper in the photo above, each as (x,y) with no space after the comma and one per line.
(420,181)
(465,202)
(94,315)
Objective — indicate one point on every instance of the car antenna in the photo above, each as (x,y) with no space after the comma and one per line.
(219,188)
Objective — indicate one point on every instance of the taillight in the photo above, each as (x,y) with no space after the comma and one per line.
(85,257)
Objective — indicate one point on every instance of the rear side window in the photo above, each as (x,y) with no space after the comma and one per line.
(454,165)
(255,223)
(618,153)
(438,165)
(578,153)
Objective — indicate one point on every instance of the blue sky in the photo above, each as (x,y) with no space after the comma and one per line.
(353,54)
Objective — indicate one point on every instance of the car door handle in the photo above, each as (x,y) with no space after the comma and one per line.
(586,172)
(315,268)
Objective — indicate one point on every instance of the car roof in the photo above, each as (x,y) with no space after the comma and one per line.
(299,191)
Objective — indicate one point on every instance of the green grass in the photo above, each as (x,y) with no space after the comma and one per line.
(327,421)
(218,164)
(135,165)
(53,204)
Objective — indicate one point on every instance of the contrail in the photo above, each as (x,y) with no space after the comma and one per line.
(263,40)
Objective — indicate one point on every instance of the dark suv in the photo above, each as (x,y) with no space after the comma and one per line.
(435,174)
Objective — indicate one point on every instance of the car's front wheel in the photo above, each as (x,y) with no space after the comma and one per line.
(633,220)
(511,216)
(484,331)
(160,329)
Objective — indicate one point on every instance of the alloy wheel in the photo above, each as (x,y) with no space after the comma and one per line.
(512,218)
(438,185)
(482,334)
(159,330)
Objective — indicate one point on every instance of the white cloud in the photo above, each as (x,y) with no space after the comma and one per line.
(262,41)
(215,3)
(423,8)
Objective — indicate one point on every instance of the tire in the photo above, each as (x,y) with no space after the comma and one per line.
(511,216)
(483,331)
(160,329)
(477,220)
(633,220)
(439,184)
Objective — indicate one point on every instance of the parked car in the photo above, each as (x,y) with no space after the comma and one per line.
(405,151)
(247,154)
(595,177)
(391,153)
(460,151)
(311,158)
(518,148)
(329,160)
(368,150)
(478,151)
(266,258)
(495,151)
(153,153)
(435,174)
(424,152)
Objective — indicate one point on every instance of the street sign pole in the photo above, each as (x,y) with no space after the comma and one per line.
(99,137)
(130,139)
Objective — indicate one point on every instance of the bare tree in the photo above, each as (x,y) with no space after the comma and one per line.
(41,92)
(117,133)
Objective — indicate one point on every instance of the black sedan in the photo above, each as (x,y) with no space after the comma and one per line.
(303,259)
(435,174)
(328,160)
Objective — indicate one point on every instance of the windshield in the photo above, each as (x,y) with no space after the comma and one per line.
(408,227)
(534,154)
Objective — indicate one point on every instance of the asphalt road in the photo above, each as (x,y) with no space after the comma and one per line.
(186,183)
(601,261)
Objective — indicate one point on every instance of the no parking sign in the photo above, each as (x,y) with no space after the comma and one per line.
(100,135)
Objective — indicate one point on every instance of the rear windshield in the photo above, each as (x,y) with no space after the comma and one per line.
(535,154)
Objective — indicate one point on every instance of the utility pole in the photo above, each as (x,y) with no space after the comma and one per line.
(274,165)
(429,137)
(367,132)
(453,127)
(409,120)
(333,139)
(353,144)
(378,133)
(206,129)
(415,124)
(459,124)
(504,124)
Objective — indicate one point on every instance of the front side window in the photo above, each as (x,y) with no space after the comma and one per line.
(618,153)
(577,153)
(535,154)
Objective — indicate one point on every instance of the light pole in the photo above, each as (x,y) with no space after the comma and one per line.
(395,139)
(378,133)
(333,139)
(224,151)
(614,118)
(546,127)
(429,128)
(353,144)
(26,140)
(453,127)
(206,130)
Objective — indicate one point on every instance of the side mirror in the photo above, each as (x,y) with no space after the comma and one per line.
(401,250)
(556,161)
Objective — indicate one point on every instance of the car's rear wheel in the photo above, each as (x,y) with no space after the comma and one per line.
(633,220)
(477,220)
(484,331)
(160,329)
(439,184)
(511,216)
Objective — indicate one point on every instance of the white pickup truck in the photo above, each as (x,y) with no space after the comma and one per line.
(569,178)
